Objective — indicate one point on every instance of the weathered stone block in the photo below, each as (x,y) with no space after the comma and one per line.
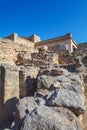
(9,85)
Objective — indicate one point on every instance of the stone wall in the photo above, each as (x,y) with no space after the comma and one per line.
(44,58)
(15,82)
(20,40)
(34,38)
(9,86)
(27,81)
(10,50)
(21,80)
(13,37)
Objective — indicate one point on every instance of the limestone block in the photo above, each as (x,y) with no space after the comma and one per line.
(9,85)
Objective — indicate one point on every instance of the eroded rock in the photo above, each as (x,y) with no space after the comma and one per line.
(67,99)
(45,118)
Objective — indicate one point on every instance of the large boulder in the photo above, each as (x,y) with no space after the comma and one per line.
(46,118)
(68,99)
(71,82)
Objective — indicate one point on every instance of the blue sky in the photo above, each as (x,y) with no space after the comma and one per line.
(46,18)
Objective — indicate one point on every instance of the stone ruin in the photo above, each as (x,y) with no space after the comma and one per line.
(23,59)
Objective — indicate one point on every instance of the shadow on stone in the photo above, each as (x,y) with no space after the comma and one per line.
(30,84)
(8,115)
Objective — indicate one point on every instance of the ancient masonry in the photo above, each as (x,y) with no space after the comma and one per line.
(31,52)
(22,59)
(60,43)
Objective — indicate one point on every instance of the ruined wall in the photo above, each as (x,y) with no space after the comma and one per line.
(15,82)
(25,41)
(9,87)
(34,38)
(13,37)
(20,40)
(11,84)
(27,81)
(9,51)
(44,58)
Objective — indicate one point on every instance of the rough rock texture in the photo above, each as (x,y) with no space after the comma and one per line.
(47,82)
(84,121)
(44,58)
(45,118)
(24,106)
(67,99)
(70,81)
(79,65)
